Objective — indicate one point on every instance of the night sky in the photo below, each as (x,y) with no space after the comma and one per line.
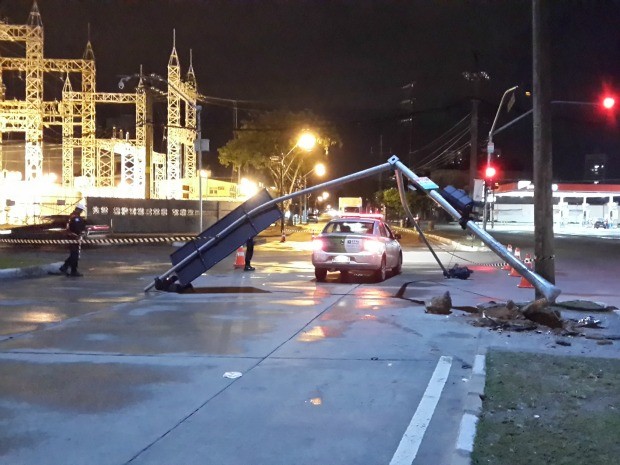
(348,61)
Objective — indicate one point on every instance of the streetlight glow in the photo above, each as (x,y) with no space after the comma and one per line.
(247,188)
(319,169)
(307,141)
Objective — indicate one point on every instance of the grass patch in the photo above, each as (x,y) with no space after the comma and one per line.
(542,409)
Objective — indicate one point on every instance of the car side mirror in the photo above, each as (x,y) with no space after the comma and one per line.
(397,236)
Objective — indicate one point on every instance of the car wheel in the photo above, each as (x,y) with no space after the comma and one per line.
(399,266)
(380,274)
(320,274)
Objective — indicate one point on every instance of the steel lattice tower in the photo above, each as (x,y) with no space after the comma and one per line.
(76,114)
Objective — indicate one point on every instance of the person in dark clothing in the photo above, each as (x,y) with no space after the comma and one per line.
(249,253)
(76,226)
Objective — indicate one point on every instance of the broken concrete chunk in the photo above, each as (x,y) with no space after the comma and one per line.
(540,312)
(503,313)
(440,305)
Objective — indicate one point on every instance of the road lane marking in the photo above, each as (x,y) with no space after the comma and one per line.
(411,440)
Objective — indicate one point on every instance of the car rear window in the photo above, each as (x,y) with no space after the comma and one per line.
(355,227)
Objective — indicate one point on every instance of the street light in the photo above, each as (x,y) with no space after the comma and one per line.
(491,149)
(306,141)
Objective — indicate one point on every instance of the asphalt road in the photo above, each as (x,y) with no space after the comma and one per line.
(96,371)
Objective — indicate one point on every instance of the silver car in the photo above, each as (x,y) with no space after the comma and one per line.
(356,245)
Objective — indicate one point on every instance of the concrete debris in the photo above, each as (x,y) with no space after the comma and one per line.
(440,305)
(526,316)
(539,312)
(585,305)
(467,308)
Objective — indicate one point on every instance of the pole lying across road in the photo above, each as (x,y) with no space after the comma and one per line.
(544,287)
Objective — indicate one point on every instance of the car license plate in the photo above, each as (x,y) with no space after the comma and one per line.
(353,245)
(341,259)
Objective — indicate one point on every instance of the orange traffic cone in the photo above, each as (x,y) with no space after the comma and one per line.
(507,265)
(514,272)
(240,260)
(524,283)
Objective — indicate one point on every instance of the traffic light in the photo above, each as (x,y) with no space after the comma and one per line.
(461,202)
(608,102)
(489,173)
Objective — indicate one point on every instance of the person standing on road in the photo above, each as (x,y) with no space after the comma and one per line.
(76,226)
(249,253)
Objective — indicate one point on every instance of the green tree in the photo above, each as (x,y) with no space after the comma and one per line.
(420,204)
(267,143)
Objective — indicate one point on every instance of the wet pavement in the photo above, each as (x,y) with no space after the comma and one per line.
(96,371)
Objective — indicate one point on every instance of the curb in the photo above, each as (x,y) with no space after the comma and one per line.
(473,407)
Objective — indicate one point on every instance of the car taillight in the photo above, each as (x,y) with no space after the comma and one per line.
(317,244)
(373,246)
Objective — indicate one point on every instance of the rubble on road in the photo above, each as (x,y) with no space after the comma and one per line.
(528,316)
(440,305)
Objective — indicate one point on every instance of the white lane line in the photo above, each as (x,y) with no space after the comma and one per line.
(411,440)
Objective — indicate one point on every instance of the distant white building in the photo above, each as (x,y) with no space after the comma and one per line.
(580,204)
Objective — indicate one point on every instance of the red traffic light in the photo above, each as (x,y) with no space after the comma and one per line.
(609,102)
(490,172)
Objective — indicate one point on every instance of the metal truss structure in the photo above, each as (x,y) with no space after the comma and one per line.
(75,113)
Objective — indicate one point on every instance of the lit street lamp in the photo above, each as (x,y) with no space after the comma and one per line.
(306,141)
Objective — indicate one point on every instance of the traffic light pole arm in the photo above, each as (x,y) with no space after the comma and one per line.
(529,112)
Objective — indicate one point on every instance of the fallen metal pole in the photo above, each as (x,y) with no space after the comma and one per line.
(266,205)
(544,287)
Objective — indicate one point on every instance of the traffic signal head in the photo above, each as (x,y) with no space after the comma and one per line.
(609,102)
(490,172)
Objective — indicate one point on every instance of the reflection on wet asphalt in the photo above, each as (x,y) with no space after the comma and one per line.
(88,387)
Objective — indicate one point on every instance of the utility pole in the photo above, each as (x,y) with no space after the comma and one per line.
(236,126)
(544,261)
(381,158)
(475,78)
(408,103)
